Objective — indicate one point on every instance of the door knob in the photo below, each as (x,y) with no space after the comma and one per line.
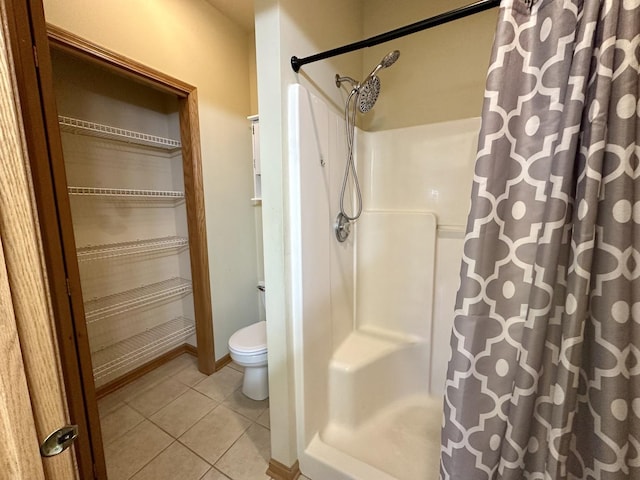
(58,441)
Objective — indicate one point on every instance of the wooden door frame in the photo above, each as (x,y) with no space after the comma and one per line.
(30,41)
(32,392)
(191,166)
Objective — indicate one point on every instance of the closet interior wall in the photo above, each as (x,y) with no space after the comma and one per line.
(126,192)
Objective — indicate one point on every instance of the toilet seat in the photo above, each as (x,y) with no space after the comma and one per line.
(250,340)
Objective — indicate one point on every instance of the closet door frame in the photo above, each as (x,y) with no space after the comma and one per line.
(191,166)
(192,171)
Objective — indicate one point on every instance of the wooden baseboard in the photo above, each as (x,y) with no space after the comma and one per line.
(143,369)
(223,362)
(278,471)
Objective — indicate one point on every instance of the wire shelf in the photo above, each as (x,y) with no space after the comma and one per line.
(103,307)
(98,252)
(124,192)
(141,347)
(83,127)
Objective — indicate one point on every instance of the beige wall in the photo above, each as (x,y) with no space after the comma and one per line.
(441,73)
(194,42)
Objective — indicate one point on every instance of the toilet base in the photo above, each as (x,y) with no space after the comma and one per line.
(256,383)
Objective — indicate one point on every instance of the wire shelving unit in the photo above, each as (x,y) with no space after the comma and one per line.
(111,250)
(103,307)
(139,348)
(93,129)
(125,192)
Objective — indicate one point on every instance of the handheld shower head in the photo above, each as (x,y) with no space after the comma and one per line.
(362,97)
(370,86)
(388,60)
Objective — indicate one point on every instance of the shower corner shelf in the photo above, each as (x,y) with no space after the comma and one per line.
(125,192)
(138,349)
(138,247)
(100,308)
(93,129)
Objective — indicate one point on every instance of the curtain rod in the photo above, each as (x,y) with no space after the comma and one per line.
(446,17)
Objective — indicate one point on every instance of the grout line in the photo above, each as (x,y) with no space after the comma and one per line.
(195,453)
(142,467)
(190,426)
(125,402)
(217,470)
(125,431)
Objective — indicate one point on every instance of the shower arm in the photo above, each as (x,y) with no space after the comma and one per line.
(440,19)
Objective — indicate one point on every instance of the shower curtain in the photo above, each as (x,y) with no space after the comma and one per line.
(544,378)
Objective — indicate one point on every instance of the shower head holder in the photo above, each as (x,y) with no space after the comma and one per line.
(340,80)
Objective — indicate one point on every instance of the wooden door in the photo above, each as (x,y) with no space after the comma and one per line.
(43,279)
(32,393)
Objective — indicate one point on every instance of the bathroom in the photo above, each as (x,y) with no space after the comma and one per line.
(366,317)
(243,81)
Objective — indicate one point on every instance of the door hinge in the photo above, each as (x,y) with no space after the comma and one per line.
(35,56)
(68,284)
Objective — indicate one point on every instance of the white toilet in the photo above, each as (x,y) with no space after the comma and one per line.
(248,348)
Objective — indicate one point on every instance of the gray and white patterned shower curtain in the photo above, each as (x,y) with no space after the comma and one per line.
(544,379)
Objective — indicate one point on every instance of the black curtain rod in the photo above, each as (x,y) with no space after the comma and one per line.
(446,17)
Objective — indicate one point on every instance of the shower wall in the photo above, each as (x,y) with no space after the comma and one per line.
(322,269)
(425,168)
(416,187)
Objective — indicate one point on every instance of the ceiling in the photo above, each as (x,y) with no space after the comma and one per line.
(239,11)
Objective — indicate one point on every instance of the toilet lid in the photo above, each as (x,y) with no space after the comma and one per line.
(250,339)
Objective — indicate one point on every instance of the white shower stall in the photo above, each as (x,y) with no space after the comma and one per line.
(372,316)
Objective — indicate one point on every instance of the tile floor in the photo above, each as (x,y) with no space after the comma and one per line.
(177,423)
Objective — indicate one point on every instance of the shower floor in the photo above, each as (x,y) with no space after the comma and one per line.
(402,440)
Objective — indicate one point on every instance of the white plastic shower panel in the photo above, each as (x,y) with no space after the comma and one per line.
(425,168)
(322,268)
(421,168)
(395,273)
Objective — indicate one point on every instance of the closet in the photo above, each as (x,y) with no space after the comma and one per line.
(123,158)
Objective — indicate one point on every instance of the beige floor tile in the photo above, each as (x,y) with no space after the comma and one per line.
(221,384)
(111,402)
(264,419)
(175,462)
(248,458)
(140,385)
(182,413)
(134,450)
(156,397)
(190,376)
(214,474)
(237,367)
(176,365)
(215,433)
(119,422)
(240,403)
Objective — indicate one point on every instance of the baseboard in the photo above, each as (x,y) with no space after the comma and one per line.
(278,471)
(190,349)
(129,377)
(223,362)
